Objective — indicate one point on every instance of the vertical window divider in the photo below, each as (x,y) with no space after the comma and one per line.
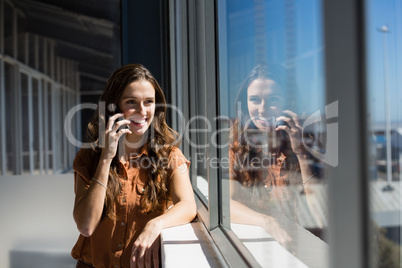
(26,48)
(2,27)
(52,60)
(78,101)
(345,83)
(71,152)
(46,124)
(53,129)
(3,119)
(211,82)
(18,124)
(63,116)
(173,63)
(15,34)
(30,125)
(182,71)
(45,55)
(2,95)
(222,75)
(183,67)
(40,126)
(36,51)
(193,86)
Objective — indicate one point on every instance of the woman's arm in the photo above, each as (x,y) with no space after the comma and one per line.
(89,201)
(294,130)
(242,214)
(145,248)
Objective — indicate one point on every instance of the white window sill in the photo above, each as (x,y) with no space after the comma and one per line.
(187,246)
(264,248)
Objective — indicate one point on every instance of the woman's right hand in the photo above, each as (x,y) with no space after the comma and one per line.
(112,135)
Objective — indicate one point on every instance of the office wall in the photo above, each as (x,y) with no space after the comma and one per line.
(37,227)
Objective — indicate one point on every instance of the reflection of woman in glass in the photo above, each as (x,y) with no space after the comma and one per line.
(266,151)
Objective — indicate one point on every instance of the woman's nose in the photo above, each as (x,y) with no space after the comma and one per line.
(261,107)
(141,109)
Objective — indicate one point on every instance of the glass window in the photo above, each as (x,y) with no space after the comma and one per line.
(198,127)
(37,131)
(25,111)
(52,54)
(384,57)
(12,158)
(272,90)
(8,31)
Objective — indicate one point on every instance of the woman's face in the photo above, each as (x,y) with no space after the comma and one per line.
(264,102)
(137,103)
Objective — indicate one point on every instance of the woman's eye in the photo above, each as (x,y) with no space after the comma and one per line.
(255,100)
(131,102)
(275,100)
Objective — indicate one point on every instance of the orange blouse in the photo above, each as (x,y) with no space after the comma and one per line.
(111,243)
(264,186)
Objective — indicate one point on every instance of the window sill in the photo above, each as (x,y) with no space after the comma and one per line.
(187,245)
(264,248)
(191,244)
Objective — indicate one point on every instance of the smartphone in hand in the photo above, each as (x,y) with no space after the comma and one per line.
(125,126)
(117,120)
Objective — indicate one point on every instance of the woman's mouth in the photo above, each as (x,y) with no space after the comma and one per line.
(139,122)
(263,121)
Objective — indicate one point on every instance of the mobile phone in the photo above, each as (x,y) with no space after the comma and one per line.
(118,119)
(123,126)
(281,122)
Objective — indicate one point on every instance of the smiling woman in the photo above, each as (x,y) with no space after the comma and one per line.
(138,106)
(125,192)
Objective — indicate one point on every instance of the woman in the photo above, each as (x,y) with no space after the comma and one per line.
(266,152)
(134,181)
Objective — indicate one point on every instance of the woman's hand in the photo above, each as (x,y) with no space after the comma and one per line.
(272,226)
(294,130)
(112,135)
(145,252)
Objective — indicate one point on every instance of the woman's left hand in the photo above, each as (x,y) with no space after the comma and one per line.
(145,251)
(293,129)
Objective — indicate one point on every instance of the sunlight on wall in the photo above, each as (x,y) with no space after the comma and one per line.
(37,226)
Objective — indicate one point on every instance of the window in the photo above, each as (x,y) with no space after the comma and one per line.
(271,69)
(52,56)
(316,51)
(211,112)
(383,36)
(195,78)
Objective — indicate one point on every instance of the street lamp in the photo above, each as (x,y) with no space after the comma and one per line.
(384,29)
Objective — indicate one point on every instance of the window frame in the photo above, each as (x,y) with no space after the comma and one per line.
(345,73)
(3,152)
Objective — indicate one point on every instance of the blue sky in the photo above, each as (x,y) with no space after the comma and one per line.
(308,49)
(384,12)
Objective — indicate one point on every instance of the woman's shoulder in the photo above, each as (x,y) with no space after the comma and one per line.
(175,152)
(176,157)
(86,158)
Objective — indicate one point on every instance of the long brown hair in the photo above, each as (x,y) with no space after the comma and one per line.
(158,145)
